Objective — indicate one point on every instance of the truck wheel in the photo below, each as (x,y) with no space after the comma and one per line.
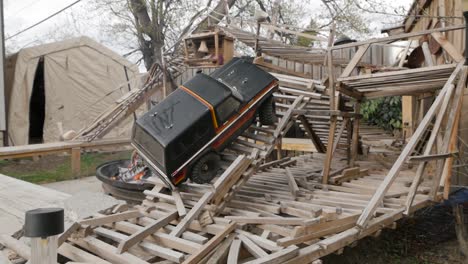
(267,113)
(205,169)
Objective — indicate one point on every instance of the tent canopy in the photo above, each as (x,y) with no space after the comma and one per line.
(63,86)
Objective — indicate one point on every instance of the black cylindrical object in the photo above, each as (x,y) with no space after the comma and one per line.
(465,14)
(44,222)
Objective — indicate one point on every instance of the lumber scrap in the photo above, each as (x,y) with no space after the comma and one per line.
(148,230)
(211,244)
(192,214)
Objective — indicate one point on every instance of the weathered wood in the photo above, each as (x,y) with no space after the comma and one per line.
(234,251)
(277,257)
(17,246)
(398,37)
(355,60)
(97,221)
(394,171)
(447,46)
(70,230)
(148,230)
(192,214)
(267,220)
(179,204)
(292,183)
(210,244)
(329,154)
(313,136)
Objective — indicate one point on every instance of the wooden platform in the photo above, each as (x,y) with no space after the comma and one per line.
(17,197)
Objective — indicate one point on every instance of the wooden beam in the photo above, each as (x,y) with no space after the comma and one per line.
(210,245)
(448,47)
(395,170)
(355,138)
(313,136)
(234,250)
(102,220)
(145,232)
(192,214)
(398,37)
(355,60)
(292,183)
(329,154)
(431,157)
(340,133)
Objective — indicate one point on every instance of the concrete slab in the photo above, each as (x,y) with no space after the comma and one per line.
(89,184)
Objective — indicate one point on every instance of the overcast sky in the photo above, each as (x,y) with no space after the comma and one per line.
(20,14)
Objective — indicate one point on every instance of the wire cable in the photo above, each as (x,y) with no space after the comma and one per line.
(43,20)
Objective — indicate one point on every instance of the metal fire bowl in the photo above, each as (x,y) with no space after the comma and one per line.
(130,191)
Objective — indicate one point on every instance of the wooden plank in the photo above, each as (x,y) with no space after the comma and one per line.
(348,174)
(340,133)
(278,257)
(398,37)
(355,60)
(210,245)
(234,251)
(287,116)
(163,252)
(255,250)
(192,214)
(293,188)
(319,146)
(221,251)
(179,204)
(70,230)
(395,170)
(76,254)
(329,154)
(147,231)
(98,221)
(267,220)
(19,247)
(427,54)
(106,251)
(57,147)
(448,47)
(426,158)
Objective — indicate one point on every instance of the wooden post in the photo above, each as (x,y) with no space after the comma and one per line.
(216,40)
(331,87)
(76,162)
(355,139)
(329,155)
(349,134)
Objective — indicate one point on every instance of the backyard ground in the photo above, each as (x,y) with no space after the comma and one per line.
(53,168)
(428,237)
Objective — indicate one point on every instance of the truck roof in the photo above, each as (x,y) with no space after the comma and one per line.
(172,116)
(244,77)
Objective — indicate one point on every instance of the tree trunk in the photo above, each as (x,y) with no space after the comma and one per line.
(218,13)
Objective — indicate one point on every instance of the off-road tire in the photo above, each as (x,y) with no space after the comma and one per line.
(205,168)
(267,113)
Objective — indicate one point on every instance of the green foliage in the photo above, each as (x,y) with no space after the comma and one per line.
(384,112)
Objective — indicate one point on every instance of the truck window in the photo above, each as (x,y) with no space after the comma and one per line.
(226,109)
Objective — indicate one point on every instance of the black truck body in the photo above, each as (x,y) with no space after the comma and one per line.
(202,116)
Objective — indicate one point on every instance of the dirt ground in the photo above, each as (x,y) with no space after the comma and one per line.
(428,237)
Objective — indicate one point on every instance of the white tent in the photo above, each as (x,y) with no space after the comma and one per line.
(63,86)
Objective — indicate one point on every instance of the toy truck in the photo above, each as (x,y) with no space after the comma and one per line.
(182,136)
